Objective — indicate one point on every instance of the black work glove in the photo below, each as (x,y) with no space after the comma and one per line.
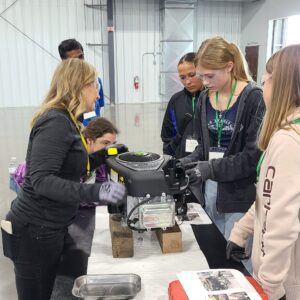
(194,175)
(112,192)
(283,298)
(235,252)
(178,163)
(199,173)
(120,147)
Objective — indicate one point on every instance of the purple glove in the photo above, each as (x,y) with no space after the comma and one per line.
(20,173)
(112,192)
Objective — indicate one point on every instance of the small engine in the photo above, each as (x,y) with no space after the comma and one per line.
(155,186)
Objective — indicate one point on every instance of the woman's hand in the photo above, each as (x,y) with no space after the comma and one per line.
(235,252)
(112,192)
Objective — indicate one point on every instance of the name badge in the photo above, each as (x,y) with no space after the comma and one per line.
(215,155)
(190,145)
(88,115)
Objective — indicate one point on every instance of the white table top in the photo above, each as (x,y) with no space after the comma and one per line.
(156,269)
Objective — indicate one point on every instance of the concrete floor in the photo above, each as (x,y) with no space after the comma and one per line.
(139,126)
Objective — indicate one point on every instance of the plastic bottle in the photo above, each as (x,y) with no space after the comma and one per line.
(12,165)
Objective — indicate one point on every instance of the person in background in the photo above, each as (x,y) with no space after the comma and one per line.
(99,133)
(36,226)
(178,128)
(227,118)
(274,218)
(71,48)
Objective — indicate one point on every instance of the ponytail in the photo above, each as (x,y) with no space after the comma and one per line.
(240,69)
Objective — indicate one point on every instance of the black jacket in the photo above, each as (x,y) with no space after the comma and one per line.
(55,161)
(236,171)
(175,128)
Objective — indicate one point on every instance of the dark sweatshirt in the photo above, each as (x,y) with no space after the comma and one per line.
(236,171)
(56,160)
(173,133)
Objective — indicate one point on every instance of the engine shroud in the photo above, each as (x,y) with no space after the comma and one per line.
(141,173)
(149,202)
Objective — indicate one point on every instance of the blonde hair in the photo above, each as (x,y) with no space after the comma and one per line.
(215,53)
(284,66)
(70,76)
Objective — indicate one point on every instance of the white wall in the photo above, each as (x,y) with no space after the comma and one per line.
(137,33)
(255,22)
(95,20)
(218,18)
(30,31)
(27,62)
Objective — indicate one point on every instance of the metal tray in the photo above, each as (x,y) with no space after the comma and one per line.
(107,286)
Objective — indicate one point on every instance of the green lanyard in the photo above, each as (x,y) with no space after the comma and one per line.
(220,125)
(261,159)
(193,104)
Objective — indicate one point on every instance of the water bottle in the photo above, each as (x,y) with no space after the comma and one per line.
(12,166)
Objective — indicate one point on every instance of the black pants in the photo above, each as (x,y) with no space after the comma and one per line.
(74,259)
(35,252)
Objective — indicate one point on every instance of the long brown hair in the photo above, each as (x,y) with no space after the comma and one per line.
(215,53)
(69,78)
(284,67)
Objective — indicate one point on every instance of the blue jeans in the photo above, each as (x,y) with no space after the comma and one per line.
(35,251)
(224,221)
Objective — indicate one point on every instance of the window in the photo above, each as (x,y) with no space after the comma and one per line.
(283,32)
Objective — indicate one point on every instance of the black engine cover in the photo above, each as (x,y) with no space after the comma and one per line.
(141,172)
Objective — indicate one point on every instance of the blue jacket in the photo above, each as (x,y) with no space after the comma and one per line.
(99,103)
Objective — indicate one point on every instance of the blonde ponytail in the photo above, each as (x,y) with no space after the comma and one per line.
(240,69)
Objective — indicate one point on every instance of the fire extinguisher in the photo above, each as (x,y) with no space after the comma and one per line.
(136,82)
